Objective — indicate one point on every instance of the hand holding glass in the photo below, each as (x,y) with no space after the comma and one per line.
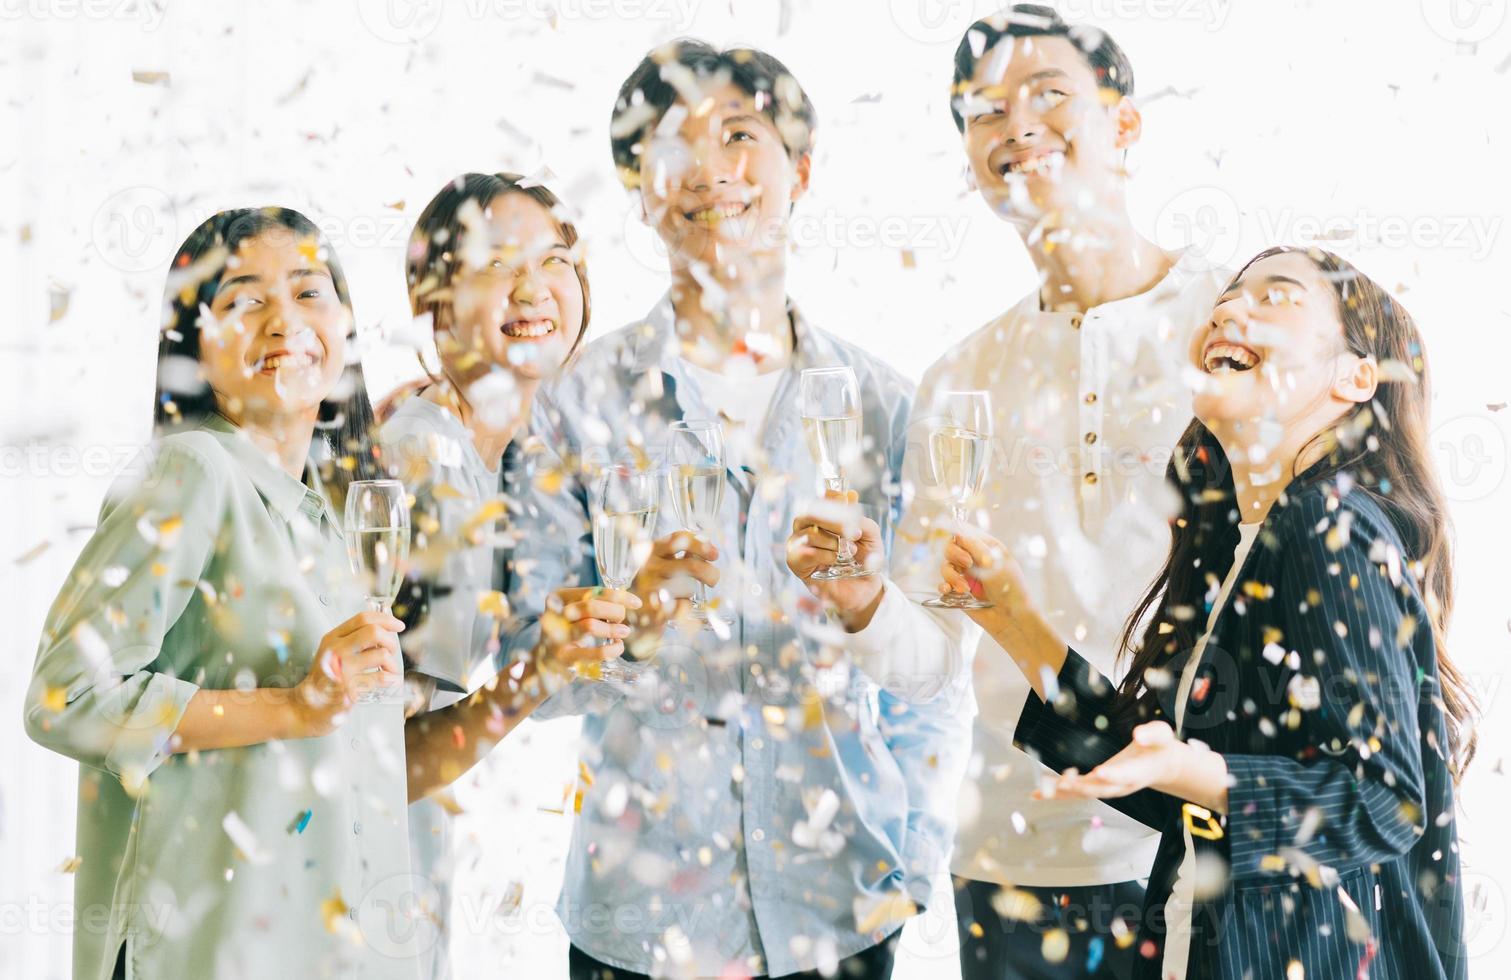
(959,435)
(695,472)
(830,401)
(377,544)
(624,525)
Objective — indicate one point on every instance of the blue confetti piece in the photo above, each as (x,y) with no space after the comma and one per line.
(1094,954)
(303,821)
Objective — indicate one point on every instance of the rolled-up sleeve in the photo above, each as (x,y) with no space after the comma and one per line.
(98,693)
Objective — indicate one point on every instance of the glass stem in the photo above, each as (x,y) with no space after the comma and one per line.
(844,555)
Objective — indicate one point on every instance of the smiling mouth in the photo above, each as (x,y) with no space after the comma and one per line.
(270,363)
(1224,358)
(1038,165)
(717,212)
(532,329)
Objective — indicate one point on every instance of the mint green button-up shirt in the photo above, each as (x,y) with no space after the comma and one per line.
(214,568)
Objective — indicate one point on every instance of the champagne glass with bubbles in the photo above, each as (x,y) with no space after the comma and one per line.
(960,442)
(377,544)
(695,472)
(830,401)
(624,526)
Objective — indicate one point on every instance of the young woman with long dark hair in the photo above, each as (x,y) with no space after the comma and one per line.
(209,643)
(1291,720)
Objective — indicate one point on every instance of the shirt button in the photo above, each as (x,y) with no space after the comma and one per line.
(355,743)
(325,600)
(1091,478)
(757,744)
(357,827)
(758,835)
(1091,398)
(1091,437)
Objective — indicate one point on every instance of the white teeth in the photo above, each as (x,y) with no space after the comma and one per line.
(718,212)
(1043,163)
(1222,357)
(528,329)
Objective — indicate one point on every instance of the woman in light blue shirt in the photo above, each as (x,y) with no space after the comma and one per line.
(499,274)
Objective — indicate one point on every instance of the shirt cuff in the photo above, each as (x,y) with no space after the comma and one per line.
(147,717)
(894,628)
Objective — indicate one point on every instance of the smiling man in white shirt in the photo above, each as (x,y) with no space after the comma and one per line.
(1085,378)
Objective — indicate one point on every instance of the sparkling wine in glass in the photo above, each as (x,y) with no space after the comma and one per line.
(624,525)
(960,443)
(377,545)
(830,402)
(695,474)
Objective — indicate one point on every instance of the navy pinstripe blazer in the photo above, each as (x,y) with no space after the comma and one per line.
(1319,686)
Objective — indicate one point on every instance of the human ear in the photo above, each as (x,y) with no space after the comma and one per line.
(1357,379)
(1130,123)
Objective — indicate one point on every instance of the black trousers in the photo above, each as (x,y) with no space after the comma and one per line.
(869,964)
(993,947)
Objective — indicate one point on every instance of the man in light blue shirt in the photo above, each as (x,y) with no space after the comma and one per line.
(751,801)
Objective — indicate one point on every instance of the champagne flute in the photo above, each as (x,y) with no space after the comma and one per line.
(960,443)
(830,401)
(624,527)
(377,544)
(695,470)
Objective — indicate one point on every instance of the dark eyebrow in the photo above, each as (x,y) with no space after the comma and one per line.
(1046,73)
(743,117)
(1268,281)
(998,88)
(226,284)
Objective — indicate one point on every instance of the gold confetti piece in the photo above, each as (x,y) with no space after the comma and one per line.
(976,930)
(1272,862)
(33,553)
(494,604)
(874,913)
(1207,829)
(1012,903)
(774,714)
(1295,971)
(55,699)
(70,865)
(150,77)
(332,911)
(1056,946)
(664,761)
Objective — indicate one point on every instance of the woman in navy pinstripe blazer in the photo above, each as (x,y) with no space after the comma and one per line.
(1295,639)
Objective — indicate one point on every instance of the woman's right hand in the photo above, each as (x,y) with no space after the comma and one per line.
(679,555)
(369,641)
(582,625)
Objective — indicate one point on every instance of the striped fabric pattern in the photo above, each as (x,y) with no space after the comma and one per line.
(1319,686)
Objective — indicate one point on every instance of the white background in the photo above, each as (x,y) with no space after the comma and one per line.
(1382,125)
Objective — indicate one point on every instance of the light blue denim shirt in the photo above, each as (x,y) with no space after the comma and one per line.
(756,800)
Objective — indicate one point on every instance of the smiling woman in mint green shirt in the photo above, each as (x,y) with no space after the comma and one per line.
(239,813)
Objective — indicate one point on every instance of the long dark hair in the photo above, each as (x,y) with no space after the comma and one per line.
(1382,444)
(183,399)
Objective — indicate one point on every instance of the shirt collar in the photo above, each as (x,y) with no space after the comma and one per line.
(656,343)
(1186,267)
(287,496)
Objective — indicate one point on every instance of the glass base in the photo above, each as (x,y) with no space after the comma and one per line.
(956,600)
(833,572)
